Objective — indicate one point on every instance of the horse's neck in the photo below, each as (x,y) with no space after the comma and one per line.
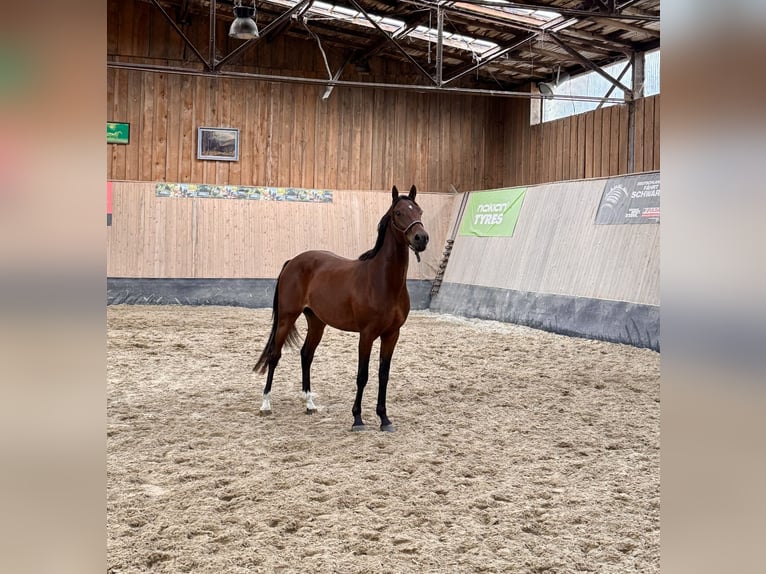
(392,261)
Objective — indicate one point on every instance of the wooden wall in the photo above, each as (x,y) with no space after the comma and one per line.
(363,139)
(167,237)
(556,248)
(289,137)
(593,144)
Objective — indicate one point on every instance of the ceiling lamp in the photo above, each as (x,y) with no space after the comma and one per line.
(243,26)
(547,88)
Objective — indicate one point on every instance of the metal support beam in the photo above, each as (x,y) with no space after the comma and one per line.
(180,32)
(637,64)
(212,35)
(626,4)
(335,76)
(501,52)
(611,21)
(613,87)
(367,85)
(585,61)
(639,78)
(439,43)
(564,11)
(394,42)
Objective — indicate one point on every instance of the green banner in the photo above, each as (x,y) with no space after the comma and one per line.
(492,213)
(117,133)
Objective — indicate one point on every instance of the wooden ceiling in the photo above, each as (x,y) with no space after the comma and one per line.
(492,45)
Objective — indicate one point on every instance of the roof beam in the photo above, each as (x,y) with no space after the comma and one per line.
(494,56)
(588,63)
(629,27)
(593,43)
(409,26)
(394,42)
(180,32)
(561,10)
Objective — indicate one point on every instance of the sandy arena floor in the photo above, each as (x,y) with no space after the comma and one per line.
(516,451)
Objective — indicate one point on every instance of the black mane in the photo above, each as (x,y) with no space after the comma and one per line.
(382,227)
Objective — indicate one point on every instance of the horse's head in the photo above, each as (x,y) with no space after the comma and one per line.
(405,218)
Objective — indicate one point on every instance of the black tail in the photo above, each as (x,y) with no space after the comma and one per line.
(293,338)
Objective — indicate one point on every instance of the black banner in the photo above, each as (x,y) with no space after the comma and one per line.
(630,199)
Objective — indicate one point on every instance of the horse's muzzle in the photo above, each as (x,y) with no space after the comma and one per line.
(420,241)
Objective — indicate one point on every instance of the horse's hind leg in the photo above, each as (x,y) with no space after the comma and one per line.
(313,337)
(285,325)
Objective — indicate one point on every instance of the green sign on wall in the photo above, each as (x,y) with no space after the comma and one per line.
(117,132)
(492,213)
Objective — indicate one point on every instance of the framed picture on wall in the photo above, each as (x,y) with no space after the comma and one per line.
(118,133)
(220,144)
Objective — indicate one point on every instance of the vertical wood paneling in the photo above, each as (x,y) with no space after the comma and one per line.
(598,123)
(638,148)
(582,143)
(223,119)
(622,144)
(648,118)
(363,139)
(187,142)
(606,142)
(357,139)
(146,128)
(567,150)
(656,134)
(160,132)
(119,113)
(184,237)
(174,146)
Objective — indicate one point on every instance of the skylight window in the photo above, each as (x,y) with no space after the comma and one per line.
(477,46)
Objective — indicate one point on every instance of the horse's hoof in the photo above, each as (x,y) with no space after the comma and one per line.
(387,428)
(310,411)
(358,428)
(264,413)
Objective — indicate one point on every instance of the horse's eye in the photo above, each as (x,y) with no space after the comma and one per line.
(398,212)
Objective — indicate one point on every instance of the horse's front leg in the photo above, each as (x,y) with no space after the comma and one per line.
(362,373)
(387,345)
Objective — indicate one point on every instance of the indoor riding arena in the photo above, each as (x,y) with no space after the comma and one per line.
(523,390)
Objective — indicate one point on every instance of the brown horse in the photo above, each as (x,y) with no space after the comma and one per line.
(367,296)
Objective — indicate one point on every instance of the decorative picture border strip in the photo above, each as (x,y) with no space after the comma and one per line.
(258,193)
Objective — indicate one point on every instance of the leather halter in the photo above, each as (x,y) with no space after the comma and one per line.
(406,229)
(404,232)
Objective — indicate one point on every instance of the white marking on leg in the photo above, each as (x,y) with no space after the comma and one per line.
(309,398)
(266,404)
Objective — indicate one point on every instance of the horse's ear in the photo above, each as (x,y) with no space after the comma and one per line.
(413,192)
(394,193)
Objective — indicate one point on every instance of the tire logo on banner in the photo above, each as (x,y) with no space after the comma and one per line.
(630,199)
(492,213)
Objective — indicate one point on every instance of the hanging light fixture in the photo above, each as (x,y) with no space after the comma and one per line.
(547,88)
(244,26)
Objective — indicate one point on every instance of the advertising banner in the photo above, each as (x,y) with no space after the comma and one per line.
(630,199)
(492,213)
